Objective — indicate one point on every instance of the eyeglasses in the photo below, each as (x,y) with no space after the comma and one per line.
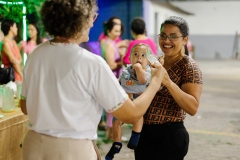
(170,37)
(95,17)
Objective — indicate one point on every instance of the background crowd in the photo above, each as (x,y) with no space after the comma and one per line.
(161,109)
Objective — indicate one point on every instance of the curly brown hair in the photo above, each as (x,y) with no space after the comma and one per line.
(67,18)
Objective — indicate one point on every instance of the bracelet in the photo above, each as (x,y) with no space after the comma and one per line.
(23,98)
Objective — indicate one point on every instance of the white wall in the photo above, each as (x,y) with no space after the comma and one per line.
(149,10)
(212,27)
(212,17)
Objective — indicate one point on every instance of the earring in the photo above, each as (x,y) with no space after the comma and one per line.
(182,51)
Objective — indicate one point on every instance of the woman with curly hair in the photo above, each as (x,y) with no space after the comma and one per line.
(66,87)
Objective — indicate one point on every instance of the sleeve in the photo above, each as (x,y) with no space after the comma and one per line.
(192,74)
(126,58)
(106,89)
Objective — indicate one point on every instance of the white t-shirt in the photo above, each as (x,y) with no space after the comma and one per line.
(67,88)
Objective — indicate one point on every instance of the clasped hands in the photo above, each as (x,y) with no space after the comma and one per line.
(160,74)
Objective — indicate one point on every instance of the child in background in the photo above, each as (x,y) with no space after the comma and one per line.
(134,79)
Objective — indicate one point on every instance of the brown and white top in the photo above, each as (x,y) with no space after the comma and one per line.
(164,108)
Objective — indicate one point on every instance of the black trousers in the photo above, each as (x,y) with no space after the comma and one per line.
(167,141)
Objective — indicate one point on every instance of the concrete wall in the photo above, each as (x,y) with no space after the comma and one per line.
(154,14)
(212,27)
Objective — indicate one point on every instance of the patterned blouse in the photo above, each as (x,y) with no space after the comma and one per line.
(163,107)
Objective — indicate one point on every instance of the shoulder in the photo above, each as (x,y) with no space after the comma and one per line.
(132,43)
(189,62)
(150,40)
(102,37)
(191,70)
(108,44)
(6,44)
(92,60)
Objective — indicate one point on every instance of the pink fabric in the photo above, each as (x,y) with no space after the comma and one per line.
(17,55)
(189,45)
(147,41)
(109,120)
(117,58)
(28,47)
(102,36)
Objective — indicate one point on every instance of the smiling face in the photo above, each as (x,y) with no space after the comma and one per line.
(138,55)
(173,46)
(32,31)
(115,32)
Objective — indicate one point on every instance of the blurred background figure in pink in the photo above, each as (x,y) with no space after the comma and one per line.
(138,31)
(34,38)
(109,43)
(190,49)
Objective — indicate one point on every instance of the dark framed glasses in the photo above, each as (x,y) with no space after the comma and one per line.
(170,37)
(95,17)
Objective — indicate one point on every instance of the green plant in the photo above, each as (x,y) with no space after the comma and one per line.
(13,9)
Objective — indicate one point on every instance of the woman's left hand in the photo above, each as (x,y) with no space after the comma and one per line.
(166,79)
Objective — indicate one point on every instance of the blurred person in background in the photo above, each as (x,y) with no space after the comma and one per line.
(190,49)
(164,135)
(138,31)
(121,44)
(110,53)
(10,51)
(65,87)
(34,38)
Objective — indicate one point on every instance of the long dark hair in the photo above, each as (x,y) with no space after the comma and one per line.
(39,39)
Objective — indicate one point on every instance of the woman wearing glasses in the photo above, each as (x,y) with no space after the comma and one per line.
(65,88)
(163,134)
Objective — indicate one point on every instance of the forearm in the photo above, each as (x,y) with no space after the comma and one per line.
(141,104)
(18,69)
(132,111)
(116,65)
(144,100)
(186,101)
(23,106)
(141,75)
(15,61)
